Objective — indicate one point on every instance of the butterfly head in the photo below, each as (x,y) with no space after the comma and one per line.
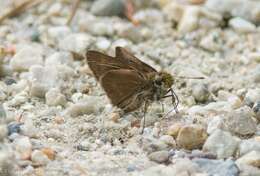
(164,79)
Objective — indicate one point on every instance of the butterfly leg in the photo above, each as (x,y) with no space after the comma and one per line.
(145,110)
(175,99)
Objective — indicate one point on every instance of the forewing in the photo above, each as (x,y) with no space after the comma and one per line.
(120,85)
(100,63)
(133,62)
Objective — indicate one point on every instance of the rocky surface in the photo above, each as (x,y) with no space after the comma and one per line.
(56,120)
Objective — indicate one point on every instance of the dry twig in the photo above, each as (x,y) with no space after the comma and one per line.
(75,6)
(26,4)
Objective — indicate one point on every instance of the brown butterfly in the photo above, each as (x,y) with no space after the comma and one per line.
(128,82)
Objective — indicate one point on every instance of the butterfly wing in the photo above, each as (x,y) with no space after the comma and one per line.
(100,63)
(133,62)
(121,86)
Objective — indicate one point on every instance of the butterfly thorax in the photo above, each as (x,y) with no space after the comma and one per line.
(159,84)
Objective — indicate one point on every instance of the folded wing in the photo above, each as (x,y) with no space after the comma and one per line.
(121,86)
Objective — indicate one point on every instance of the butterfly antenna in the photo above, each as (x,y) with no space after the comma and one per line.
(188,77)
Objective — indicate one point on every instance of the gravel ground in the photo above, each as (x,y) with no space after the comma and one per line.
(57,121)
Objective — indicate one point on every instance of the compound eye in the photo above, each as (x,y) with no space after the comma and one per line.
(158,82)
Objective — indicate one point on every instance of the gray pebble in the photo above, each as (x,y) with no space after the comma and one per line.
(240,122)
(256,109)
(25,58)
(54,98)
(2,114)
(241,25)
(14,128)
(108,7)
(39,158)
(252,96)
(217,167)
(159,156)
(248,145)
(200,92)
(221,143)
(3,131)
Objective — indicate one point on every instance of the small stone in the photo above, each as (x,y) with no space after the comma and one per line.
(159,156)
(2,95)
(200,92)
(189,20)
(59,120)
(182,166)
(38,90)
(148,17)
(217,167)
(103,44)
(255,74)
(256,110)
(59,58)
(19,99)
(2,114)
(235,102)
(241,25)
(28,128)
(154,145)
(39,158)
(252,96)
(245,9)
(108,7)
(55,98)
(43,78)
(221,143)
(132,33)
(101,29)
(255,56)
(25,58)
(6,161)
(248,145)
(58,32)
(168,140)
(49,153)
(10,81)
(85,107)
(240,122)
(3,131)
(211,42)
(247,170)
(114,117)
(23,146)
(55,9)
(77,43)
(156,132)
(216,122)
(84,145)
(120,42)
(196,1)
(174,11)
(252,158)
(174,130)
(191,137)
(14,128)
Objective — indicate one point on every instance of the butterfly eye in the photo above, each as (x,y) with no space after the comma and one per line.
(158,82)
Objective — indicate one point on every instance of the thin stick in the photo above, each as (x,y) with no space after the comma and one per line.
(19,9)
(75,6)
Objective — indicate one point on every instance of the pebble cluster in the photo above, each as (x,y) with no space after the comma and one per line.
(56,120)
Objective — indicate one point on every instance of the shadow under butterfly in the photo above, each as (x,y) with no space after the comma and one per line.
(130,83)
